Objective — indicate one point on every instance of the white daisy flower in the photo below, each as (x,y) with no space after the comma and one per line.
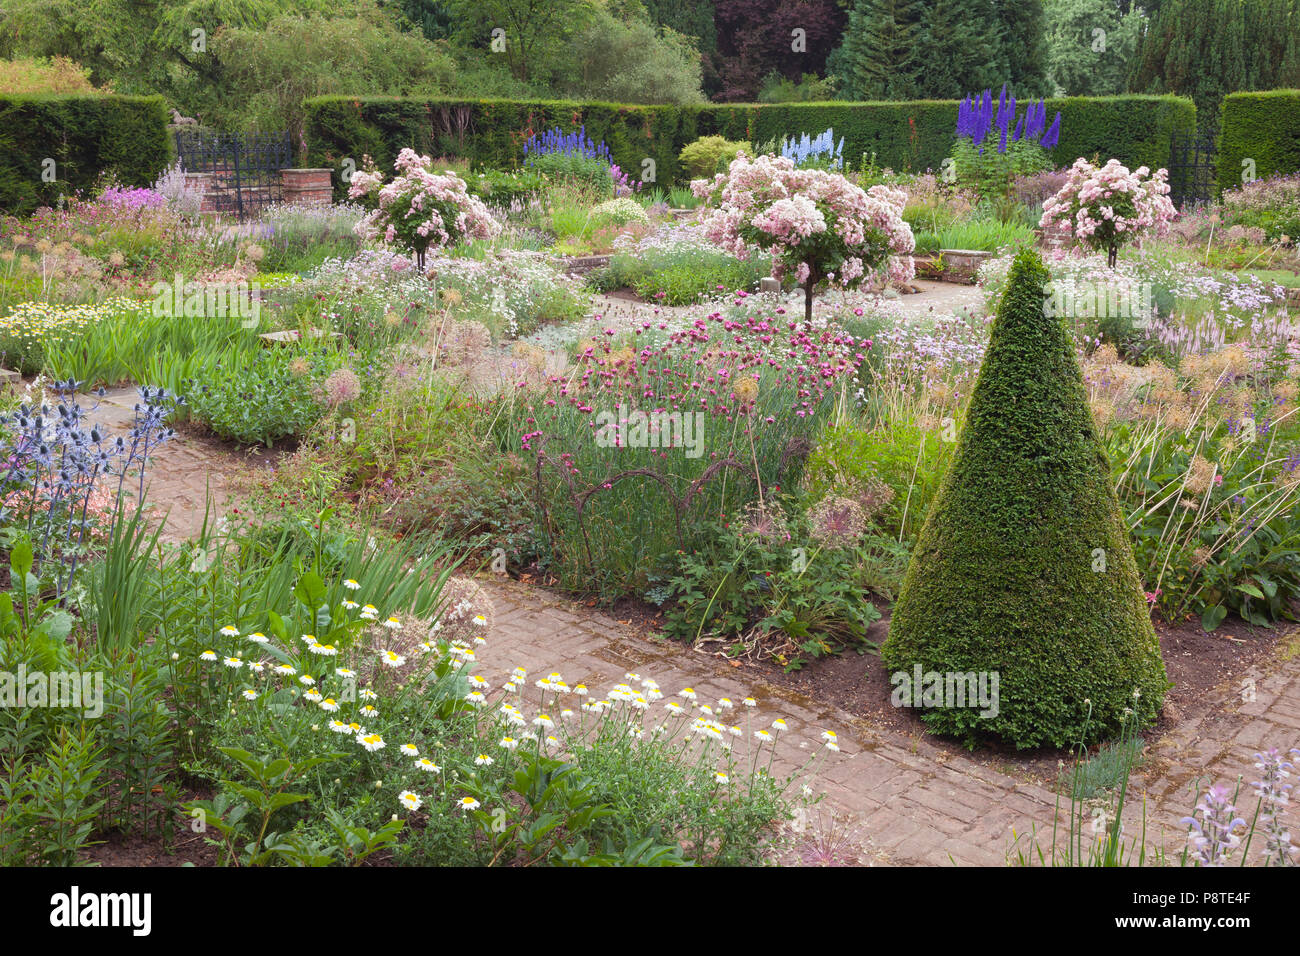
(233,662)
(229,631)
(329,705)
(352,585)
(483,760)
(409,800)
(469,803)
(393,623)
(250,695)
(257,637)
(208,656)
(371,742)
(409,750)
(427,765)
(392,658)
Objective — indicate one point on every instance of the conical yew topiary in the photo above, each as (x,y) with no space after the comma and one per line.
(1023,568)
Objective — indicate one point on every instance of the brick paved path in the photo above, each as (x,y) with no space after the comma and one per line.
(181,471)
(901,801)
(904,804)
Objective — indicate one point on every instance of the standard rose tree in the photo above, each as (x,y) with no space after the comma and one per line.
(1107,207)
(815,223)
(419,208)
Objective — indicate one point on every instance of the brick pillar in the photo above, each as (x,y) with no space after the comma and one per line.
(307,186)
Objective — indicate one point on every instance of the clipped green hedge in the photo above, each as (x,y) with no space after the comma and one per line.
(1264,127)
(913,135)
(84,135)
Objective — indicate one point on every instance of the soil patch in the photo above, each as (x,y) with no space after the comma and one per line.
(1204,668)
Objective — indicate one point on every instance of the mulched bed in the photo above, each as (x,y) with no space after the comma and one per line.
(1203,667)
(129,849)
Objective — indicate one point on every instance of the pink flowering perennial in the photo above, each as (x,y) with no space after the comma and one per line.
(1103,208)
(814,223)
(419,208)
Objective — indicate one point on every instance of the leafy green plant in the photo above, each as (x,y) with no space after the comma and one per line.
(709,155)
(242,813)
(990,172)
(783,597)
(48,804)
(274,393)
(680,275)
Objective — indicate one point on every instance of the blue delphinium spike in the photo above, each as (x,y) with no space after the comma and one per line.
(1053,133)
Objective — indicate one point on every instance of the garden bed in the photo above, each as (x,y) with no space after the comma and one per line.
(1205,670)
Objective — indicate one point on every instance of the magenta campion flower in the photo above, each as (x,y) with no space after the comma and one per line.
(128,199)
(815,224)
(1106,207)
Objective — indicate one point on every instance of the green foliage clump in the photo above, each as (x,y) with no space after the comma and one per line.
(498,188)
(1024,567)
(41,75)
(709,155)
(273,394)
(679,275)
(585,172)
(779,590)
(620,212)
(990,173)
